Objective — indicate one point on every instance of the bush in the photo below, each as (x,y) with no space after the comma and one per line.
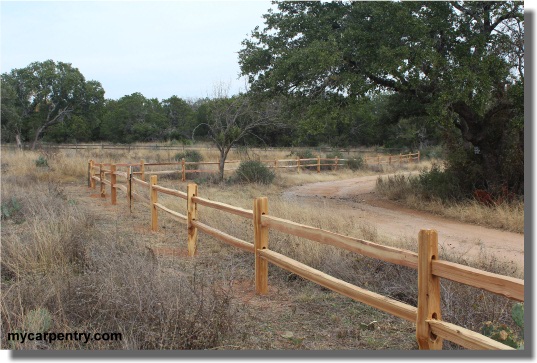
(191,156)
(41,162)
(254,172)
(355,163)
(305,154)
(437,183)
(332,163)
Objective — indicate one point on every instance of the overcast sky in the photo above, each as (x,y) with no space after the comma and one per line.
(159,49)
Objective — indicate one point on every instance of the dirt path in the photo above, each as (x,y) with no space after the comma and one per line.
(357,197)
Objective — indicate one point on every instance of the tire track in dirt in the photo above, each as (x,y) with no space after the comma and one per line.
(356,197)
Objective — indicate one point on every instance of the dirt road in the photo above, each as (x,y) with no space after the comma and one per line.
(357,197)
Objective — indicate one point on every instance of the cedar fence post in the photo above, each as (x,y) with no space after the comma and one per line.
(142,170)
(101,177)
(298,164)
(183,170)
(113,187)
(90,166)
(260,242)
(418,156)
(192,215)
(154,199)
(129,188)
(318,163)
(428,290)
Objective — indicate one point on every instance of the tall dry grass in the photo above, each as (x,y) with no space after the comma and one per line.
(403,188)
(96,277)
(64,271)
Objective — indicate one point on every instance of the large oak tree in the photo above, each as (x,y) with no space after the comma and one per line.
(45,94)
(460,64)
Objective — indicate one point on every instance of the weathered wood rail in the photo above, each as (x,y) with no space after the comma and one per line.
(430,329)
(299,164)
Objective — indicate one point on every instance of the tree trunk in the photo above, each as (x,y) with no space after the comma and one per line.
(37,134)
(490,136)
(222,164)
(18,141)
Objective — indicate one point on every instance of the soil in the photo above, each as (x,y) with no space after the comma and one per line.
(357,197)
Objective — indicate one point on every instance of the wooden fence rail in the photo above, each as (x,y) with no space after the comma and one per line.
(430,329)
(298,164)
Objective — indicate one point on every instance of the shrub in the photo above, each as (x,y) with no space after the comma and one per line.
(191,156)
(254,172)
(41,162)
(332,163)
(437,183)
(305,154)
(355,163)
(10,208)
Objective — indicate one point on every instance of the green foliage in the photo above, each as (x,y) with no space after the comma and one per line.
(10,208)
(41,161)
(518,315)
(355,163)
(438,183)
(253,171)
(37,321)
(501,333)
(438,66)
(48,94)
(190,156)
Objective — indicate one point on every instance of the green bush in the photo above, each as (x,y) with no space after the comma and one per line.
(191,156)
(437,183)
(355,163)
(331,163)
(305,154)
(10,208)
(253,172)
(41,162)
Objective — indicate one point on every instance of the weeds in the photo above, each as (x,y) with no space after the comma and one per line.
(65,268)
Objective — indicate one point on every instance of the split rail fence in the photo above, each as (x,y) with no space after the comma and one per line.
(185,167)
(431,330)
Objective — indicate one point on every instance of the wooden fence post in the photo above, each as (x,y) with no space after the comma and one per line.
(318,163)
(260,242)
(428,290)
(142,170)
(101,177)
(275,166)
(113,187)
(154,199)
(183,170)
(298,164)
(418,156)
(129,188)
(90,167)
(192,215)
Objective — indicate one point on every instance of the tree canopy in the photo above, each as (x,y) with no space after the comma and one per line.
(44,94)
(460,64)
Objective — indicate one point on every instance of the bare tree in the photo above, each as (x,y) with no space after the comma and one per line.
(230,119)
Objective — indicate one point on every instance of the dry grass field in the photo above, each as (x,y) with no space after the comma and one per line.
(72,261)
